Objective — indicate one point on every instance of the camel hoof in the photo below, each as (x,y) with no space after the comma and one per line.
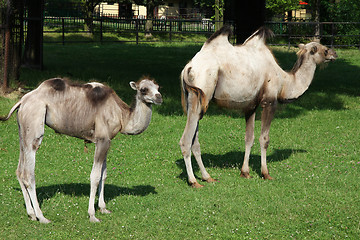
(93,219)
(104,211)
(32,217)
(267,177)
(44,220)
(245,175)
(210,180)
(196,185)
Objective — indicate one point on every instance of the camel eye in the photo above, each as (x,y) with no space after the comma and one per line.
(143,91)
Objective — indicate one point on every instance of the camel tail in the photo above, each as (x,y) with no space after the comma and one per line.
(16,106)
(186,87)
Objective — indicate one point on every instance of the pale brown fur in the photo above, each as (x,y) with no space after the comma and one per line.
(92,112)
(242,77)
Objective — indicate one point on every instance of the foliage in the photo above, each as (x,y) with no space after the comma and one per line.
(281,6)
(313,155)
(343,11)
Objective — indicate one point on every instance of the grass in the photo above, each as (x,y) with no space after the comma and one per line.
(313,156)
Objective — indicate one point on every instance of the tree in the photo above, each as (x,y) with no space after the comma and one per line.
(33,43)
(150,7)
(247,15)
(276,7)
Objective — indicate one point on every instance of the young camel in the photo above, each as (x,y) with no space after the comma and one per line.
(92,112)
(242,77)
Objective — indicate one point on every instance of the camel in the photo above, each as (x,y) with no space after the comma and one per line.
(242,77)
(92,112)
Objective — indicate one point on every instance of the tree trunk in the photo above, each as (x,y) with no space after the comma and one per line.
(149,18)
(5,84)
(316,11)
(250,16)
(88,17)
(218,15)
(34,39)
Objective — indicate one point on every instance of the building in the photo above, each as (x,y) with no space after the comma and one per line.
(172,9)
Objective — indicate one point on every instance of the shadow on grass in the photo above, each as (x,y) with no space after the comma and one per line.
(80,189)
(234,159)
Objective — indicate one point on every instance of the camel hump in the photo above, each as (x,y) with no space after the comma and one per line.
(225,30)
(262,34)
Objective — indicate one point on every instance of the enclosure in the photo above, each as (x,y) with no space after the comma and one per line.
(313,156)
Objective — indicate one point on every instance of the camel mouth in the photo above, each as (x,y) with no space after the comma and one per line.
(158,101)
(332,59)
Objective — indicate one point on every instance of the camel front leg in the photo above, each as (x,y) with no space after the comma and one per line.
(266,118)
(249,142)
(101,148)
(102,204)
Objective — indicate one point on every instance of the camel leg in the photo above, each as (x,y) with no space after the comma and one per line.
(195,148)
(266,118)
(249,142)
(101,148)
(189,137)
(21,172)
(31,135)
(102,204)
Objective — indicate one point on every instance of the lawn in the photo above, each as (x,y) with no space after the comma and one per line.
(313,156)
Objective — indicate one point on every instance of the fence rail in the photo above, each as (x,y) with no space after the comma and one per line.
(111,29)
(68,27)
(334,34)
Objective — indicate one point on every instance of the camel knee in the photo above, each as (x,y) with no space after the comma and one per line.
(249,140)
(264,141)
(24,177)
(36,143)
(185,148)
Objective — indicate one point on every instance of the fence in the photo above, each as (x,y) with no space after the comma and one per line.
(334,34)
(112,29)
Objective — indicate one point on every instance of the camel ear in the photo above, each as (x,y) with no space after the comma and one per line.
(133,85)
(301,46)
(313,50)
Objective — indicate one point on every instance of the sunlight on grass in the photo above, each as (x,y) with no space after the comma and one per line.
(313,156)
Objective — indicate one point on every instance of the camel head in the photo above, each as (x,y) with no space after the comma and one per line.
(147,91)
(317,52)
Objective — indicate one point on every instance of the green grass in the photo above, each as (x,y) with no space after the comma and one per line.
(313,156)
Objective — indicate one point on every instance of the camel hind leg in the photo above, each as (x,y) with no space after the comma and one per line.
(31,132)
(189,140)
(195,148)
(249,142)
(266,118)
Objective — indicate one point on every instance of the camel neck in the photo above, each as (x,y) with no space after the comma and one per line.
(297,82)
(139,118)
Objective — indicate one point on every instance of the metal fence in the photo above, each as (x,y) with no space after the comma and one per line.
(111,29)
(105,29)
(333,34)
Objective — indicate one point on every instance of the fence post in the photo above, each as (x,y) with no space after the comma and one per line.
(63,30)
(101,29)
(137,30)
(332,35)
(171,21)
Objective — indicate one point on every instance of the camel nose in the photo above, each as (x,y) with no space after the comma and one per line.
(158,98)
